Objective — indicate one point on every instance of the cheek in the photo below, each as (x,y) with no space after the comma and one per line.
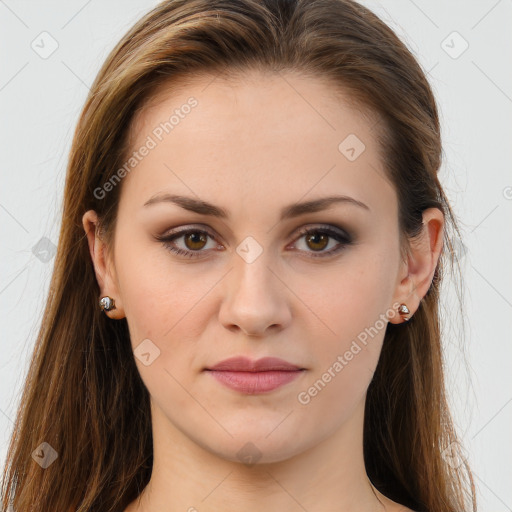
(344,367)
(353,307)
(157,292)
(166,310)
(351,296)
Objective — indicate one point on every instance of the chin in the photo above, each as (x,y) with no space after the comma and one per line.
(251,447)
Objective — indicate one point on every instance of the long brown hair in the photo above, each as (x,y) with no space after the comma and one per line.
(83,394)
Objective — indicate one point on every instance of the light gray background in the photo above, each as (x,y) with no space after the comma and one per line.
(40,99)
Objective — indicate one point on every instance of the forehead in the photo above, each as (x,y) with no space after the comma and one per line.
(256,133)
(251,94)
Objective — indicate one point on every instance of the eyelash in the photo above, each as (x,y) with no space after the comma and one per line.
(344,241)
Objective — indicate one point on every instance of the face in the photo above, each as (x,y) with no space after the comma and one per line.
(198,288)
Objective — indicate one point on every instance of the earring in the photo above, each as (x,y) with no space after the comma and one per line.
(107,303)
(404,310)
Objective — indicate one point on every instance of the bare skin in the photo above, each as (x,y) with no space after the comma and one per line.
(253,147)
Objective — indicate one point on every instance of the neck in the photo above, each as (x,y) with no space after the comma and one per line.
(329,476)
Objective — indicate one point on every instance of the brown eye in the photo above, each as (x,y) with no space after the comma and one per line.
(317,241)
(195,240)
(192,244)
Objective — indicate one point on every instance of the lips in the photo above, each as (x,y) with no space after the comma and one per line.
(265,364)
(254,377)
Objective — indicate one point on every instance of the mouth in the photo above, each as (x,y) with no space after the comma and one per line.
(254,376)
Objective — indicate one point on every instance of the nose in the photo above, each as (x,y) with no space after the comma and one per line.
(256,298)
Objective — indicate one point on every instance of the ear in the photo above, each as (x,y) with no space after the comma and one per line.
(417,273)
(103,264)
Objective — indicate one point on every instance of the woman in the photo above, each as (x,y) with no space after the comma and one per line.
(244,310)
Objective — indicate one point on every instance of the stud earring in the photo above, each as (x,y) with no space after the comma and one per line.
(107,303)
(404,310)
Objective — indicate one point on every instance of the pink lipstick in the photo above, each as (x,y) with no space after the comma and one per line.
(254,377)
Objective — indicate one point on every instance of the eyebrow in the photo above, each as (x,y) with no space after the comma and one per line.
(288,212)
